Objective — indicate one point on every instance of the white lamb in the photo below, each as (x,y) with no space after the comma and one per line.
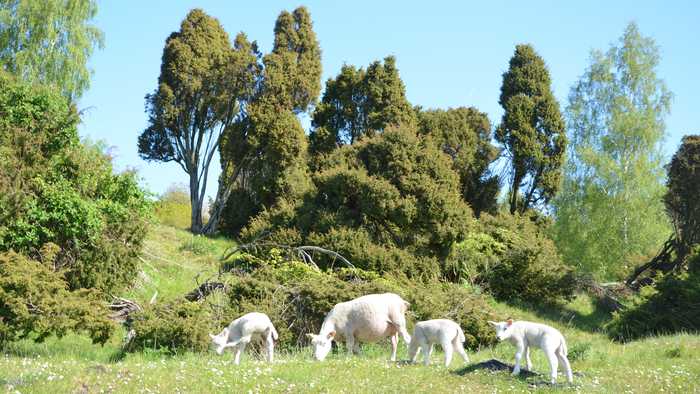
(441,331)
(251,326)
(524,335)
(364,319)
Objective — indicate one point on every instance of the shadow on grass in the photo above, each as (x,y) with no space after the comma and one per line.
(494,365)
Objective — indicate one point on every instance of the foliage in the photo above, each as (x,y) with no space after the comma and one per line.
(385,193)
(669,306)
(513,258)
(55,189)
(172,327)
(49,42)
(531,130)
(297,297)
(359,103)
(464,134)
(203,84)
(173,208)
(681,199)
(610,207)
(34,299)
(264,154)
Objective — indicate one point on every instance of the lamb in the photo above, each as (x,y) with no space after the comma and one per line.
(368,319)
(523,335)
(251,326)
(443,331)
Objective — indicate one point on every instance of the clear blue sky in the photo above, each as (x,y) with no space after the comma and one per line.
(449,54)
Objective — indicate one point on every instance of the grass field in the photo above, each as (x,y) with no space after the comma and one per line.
(173,259)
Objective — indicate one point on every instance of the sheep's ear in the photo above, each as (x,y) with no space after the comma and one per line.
(492,323)
(331,335)
(510,322)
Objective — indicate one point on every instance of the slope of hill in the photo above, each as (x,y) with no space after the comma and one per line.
(174,261)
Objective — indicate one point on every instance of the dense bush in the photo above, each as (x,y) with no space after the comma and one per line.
(297,297)
(55,189)
(670,306)
(35,299)
(512,257)
(390,203)
(172,327)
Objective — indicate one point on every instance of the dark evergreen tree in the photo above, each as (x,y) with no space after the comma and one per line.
(531,131)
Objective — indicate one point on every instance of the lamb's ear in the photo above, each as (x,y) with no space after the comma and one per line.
(492,323)
(310,336)
(510,322)
(212,336)
(331,335)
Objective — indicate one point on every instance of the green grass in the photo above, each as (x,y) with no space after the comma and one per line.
(73,364)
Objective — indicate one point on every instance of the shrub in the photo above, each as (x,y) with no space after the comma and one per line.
(469,259)
(54,189)
(528,266)
(35,299)
(668,307)
(297,297)
(172,328)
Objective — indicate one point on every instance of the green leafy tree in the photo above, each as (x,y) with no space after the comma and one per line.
(49,42)
(203,84)
(359,102)
(531,131)
(611,208)
(264,154)
(464,134)
(54,189)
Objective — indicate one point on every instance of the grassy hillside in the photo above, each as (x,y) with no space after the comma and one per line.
(173,261)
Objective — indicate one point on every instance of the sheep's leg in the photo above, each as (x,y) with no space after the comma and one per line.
(394,345)
(238,349)
(350,343)
(270,345)
(564,361)
(447,349)
(553,364)
(413,349)
(426,357)
(527,358)
(518,356)
(459,347)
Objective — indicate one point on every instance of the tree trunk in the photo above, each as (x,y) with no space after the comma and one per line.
(196,203)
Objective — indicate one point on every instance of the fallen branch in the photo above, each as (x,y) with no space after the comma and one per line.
(303,253)
(121,308)
(204,290)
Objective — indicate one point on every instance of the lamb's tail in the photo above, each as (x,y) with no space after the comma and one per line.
(275,336)
(405,306)
(460,334)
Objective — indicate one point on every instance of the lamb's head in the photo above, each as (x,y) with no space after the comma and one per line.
(322,344)
(220,340)
(503,330)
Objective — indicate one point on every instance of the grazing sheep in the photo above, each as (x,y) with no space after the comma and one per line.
(366,319)
(524,335)
(251,326)
(442,331)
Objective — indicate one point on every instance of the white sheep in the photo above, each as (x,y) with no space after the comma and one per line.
(251,326)
(441,331)
(524,335)
(365,319)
